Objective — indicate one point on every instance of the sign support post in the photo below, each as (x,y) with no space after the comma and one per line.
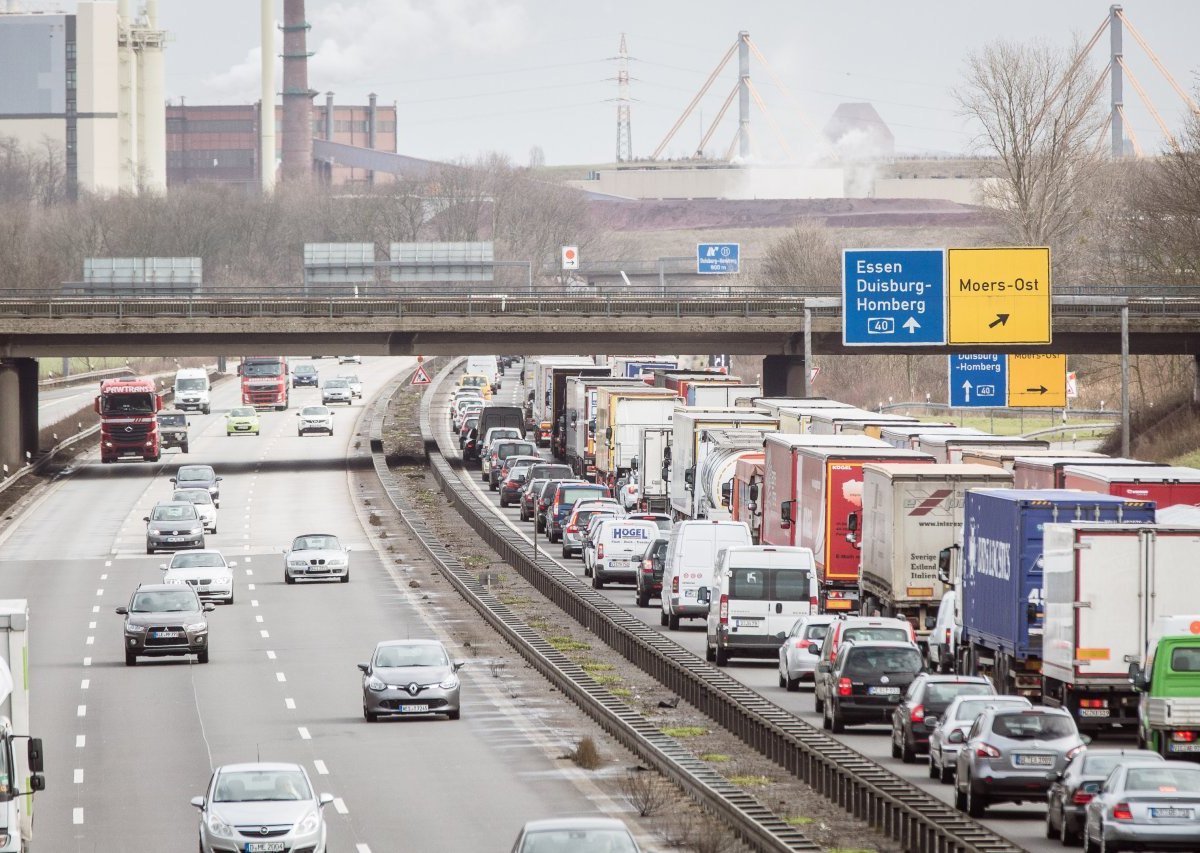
(1125,380)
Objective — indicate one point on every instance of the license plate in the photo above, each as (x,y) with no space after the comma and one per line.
(618,564)
(1184,813)
(265,847)
(747,623)
(415,709)
(1183,747)
(883,691)
(167,635)
(1093,712)
(1035,761)
(176,538)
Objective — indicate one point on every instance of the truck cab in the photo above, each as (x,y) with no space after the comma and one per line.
(1169,684)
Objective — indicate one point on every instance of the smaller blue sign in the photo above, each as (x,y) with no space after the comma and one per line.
(978,381)
(893,297)
(718,258)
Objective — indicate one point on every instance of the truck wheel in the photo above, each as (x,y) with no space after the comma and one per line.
(643,599)
(662,618)
(185,447)
(130,659)
(673,622)
(721,656)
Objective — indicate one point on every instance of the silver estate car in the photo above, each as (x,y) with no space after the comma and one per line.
(796,661)
(1013,755)
(948,735)
(407,677)
(261,808)
(1146,805)
(575,834)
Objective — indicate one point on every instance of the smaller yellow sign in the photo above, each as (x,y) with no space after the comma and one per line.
(1092,654)
(1037,381)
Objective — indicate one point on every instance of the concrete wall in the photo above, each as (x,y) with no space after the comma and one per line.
(960,190)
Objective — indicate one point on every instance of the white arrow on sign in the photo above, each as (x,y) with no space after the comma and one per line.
(967,387)
(912,325)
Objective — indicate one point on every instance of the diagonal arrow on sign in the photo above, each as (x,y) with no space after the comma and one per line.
(1001,320)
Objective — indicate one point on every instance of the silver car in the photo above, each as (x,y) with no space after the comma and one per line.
(314,419)
(1146,805)
(355,383)
(1013,755)
(797,661)
(204,571)
(202,500)
(574,834)
(948,735)
(172,525)
(337,391)
(316,555)
(407,677)
(261,808)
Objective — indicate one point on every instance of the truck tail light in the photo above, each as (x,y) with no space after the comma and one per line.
(917,715)
(947,640)
(675,584)
(1183,737)
(844,687)
(724,612)
(812,602)
(1093,703)
(1121,811)
(600,551)
(986,750)
(1081,798)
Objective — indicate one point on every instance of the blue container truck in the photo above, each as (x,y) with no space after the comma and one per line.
(1000,584)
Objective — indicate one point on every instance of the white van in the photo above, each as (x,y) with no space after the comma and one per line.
(192,388)
(487,365)
(691,558)
(620,544)
(758,593)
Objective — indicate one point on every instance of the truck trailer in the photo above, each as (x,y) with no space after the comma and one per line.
(689,447)
(23,763)
(1166,485)
(580,419)
(621,415)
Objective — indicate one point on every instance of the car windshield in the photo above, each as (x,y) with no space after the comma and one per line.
(305,369)
(422,654)
(1185,659)
(867,661)
(506,449)
(191,384)
(195,473)
(194,496)
(242,412)
(197,561)
(316,543)
(336,383)
(570,494)
(1102,765)
(583,516)
(578,841)
(314,411)
(553,472)
(351,378)
(815,632)
(262,368)
(256,786)
(1033,726)
(505,432)
(173,420)
(473,381)
(875,632)
(165,601)
(1167,780)
(128,404)
(968,711)
(173,512)
(943,693)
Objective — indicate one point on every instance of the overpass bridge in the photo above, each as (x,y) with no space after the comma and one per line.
(408,320)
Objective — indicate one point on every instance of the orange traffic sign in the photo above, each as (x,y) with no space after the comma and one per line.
(420,377)
(998,296)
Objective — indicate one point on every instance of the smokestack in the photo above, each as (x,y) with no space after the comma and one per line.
(297,98)
(329,116)
(127,88)
(266,115)
(152,108)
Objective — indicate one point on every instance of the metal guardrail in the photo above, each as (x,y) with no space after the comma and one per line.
(89,376)
(862,787)
(750,820)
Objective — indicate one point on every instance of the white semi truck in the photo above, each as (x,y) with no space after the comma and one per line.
(21,761)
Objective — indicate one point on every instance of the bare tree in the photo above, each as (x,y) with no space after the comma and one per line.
(805,258)
(1165,224)
(1039,119)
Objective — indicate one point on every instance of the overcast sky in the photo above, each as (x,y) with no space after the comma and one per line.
(471,76)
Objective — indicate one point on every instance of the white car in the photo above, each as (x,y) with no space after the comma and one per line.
(796,661)
(314,419)
(337,390)
(316,555)
(204,571)
(349,359)
(355,383)
(203,502)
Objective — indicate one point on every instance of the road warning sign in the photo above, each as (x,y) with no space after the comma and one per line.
(420,377)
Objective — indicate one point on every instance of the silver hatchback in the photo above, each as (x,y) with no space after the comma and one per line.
(410,677)
(1013,755)
(261,808)
(797,660)
(1146,806)
(948,735)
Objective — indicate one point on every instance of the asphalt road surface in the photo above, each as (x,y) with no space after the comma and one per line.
(126,748)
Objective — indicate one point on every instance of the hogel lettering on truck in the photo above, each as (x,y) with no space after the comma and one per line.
(630,533)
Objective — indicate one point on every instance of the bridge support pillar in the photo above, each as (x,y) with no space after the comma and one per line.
(784,376)
(18,412)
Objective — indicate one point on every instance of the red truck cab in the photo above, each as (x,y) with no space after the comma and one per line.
(265,381)
(128,410)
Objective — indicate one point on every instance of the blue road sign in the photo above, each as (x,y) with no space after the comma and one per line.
(718,258)
(978,381)
(893,297)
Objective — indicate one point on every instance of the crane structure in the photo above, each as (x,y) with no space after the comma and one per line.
(624,133)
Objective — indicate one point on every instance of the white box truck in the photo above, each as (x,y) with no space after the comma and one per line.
(20,755)
(1106,585)
(689,446)
(621,415)
(909,514)
(654,469)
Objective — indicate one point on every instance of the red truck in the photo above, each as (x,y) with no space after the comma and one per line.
(1166,485)
(265,381)
(128,410)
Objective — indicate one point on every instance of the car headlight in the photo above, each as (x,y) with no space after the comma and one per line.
(297,564)
(373,683)
(196,531)
(213,488)
(338,563)
(309,823)
(196,626)
(218,827)
(449,682)
(135,629)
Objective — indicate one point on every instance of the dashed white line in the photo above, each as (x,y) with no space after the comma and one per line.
(91,626)
(361,848)
(322,770)
(81,711)
(340,805)
(304,735)
(280,677)
(258,617)
(249,571)
(99,592)
(78,775)
(103,577)
(264,634)
(91,640)
(95,608)
(87,661)
(80,741)
(107,563)
(270,655)
(248,559)
(254,602)
(85,684)
(77,816)
(290,704)
(250,587)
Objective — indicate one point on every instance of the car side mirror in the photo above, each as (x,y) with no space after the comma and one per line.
(209,608)
(145,518)
(726,493)
(37,758)
(233,565)
(931,722)
(198,802)
(785,513)
(365,667)
(824,666)
(459,664)
(122,611)
(633,464)
(752,492)
(956,736)
(1137,677)
(173,481)
(930,623)
(163,567)
(1086,739)
(219,479)
(702,595)
(852,522)
(814,649)
(297,414)
(325,799)
(37,782)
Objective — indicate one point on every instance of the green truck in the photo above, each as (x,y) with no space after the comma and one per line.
(1169,684)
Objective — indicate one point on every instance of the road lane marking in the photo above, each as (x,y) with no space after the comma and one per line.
(361,848)
(254,602)
(304,735)
(80,741)
(103,577)
(250,587)
(248,559)
(258,617)
(107,563)
(340,805)
(81,711)
(85,684)
(78,775)
(280,677)
(249,571)
(95,608)
(322,770)
(87,661)
(99,592)
(91,640)
(91,626)
(264,634)
(270,655)
(290,704)
(77,816)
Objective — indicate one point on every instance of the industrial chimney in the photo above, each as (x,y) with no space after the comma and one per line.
(297,97)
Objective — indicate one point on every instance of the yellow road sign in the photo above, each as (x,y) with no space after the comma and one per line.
(998,296)
(1037,380)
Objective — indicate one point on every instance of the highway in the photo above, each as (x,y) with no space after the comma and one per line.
(54,404)
(1023,824)
(126,748)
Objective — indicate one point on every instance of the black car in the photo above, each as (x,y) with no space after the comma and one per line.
(529,494)
(164,620)
(650,575)
(514,482)
(305,374)
(868,679)
(927,699)
(542,504)
(1080,780)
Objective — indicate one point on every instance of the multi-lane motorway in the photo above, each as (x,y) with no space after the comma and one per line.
(128,747)
(1023,824)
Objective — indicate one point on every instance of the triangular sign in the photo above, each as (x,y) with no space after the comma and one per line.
(420,377)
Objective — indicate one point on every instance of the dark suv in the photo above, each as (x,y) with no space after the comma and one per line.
(868,679)
(173,430)
(563,499)
(927,699)
(650,575)
(165,620)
